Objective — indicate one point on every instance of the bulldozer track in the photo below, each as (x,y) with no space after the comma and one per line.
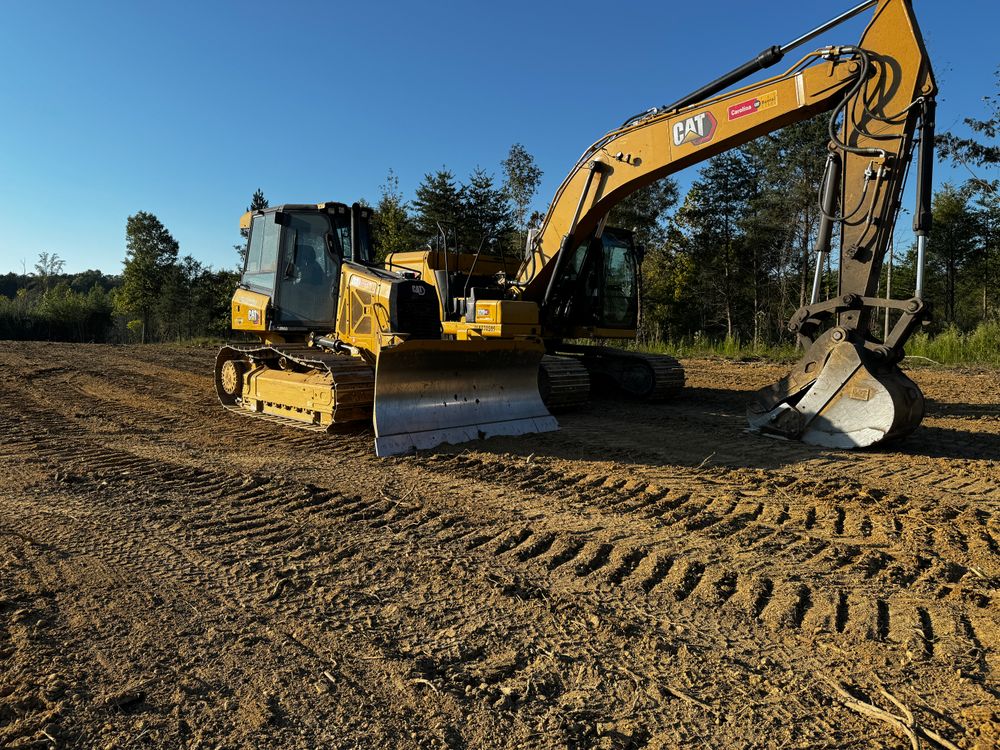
(353,382)
(473,592)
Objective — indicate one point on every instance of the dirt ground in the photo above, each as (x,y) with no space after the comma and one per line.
(173,575)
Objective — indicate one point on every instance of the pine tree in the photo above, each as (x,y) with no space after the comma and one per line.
(257,202)
(645,211)
(954,246)
(150,253)
(438,202)
(971,150)
(486,213)
(392,228)
(713,217)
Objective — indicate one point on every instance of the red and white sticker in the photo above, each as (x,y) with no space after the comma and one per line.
(752,106)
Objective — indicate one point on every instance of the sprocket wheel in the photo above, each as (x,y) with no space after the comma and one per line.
(232,377)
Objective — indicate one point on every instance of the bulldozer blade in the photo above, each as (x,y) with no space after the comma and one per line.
(430,392)
(852,403)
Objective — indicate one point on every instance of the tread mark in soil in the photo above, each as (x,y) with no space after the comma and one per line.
(692,577)
(628,564)
(479,540)
(991,543)
(763,596)
(803,603)
(512,541)
(725,587)
(666,504)
(882,619)
(874,563)
(838,521)
(842,612)
(810,518)
(567,553)
(926,631)
(538,547)
(599,560)
(660,571)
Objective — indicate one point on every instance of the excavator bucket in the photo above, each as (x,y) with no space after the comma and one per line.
(853,401)
(429,392)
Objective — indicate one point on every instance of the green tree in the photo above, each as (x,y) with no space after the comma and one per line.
(486,213)
(521,179)
(972,150)
(713,220)
(955,228)
(791,161)
(986,209)
(150,254)
(981,150)
(438,202)
(392,228)
(668,289)
(48,265)
(646,212)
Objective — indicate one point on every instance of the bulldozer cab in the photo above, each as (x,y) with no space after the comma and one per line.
(598,288)
(295,254)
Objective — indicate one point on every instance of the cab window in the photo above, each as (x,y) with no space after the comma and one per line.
(262,254)
(618,303)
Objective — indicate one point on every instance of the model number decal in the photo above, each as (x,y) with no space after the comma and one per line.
(696,129)
(362,283)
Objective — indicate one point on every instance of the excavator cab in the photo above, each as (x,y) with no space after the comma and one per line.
(597,293)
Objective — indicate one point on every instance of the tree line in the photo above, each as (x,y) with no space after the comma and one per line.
(159,296)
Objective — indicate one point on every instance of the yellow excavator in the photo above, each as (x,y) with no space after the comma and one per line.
(458,348)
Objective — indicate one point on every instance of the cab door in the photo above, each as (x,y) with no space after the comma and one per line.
(599,286)
(309,273)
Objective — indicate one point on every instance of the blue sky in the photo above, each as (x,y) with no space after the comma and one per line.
(184,109)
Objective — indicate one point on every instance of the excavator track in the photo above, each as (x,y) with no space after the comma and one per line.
(563,382)
(646,377)
(668,374)
(351,383)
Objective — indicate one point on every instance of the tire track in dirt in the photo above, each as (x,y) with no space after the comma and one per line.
(584,559)
(689,565)
(252,530)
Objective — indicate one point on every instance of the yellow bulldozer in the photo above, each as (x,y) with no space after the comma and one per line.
(444,345)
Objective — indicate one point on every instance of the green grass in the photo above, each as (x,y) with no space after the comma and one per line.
(979,347)
(727,348)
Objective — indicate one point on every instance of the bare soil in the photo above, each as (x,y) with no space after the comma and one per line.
(173,575)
